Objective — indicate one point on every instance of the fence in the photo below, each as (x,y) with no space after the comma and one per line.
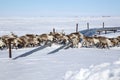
(103,29)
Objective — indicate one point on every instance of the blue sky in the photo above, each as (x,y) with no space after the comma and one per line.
(59,8)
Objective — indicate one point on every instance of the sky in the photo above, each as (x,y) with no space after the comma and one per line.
(9,8)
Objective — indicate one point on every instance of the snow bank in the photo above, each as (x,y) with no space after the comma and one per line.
(105,71)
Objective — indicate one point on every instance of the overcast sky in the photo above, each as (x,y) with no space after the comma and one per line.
(9,8)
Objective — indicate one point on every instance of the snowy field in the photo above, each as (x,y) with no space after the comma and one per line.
(39,25)
(70,64)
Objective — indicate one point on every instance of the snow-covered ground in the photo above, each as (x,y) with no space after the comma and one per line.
(105,71)
(39,25)
(70,64)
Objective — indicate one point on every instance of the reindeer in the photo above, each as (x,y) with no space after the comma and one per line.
(96,41)
(100,42)
(74,39)
(2,44)
(63,39)
(118,38)
(29,40)
(104,42)
(46,38)
(115,41)
(5,38)
(88,41)
(18,43)
(58,37)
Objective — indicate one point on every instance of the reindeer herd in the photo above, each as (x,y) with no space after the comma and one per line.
(73,40)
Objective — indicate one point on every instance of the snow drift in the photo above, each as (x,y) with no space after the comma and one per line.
(105,71)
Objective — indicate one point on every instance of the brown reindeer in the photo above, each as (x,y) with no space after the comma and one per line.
(118,38)
(88,41)
(74,39)
(46,38)
(57,37)
(29,40)
(104,42)
(115,41)
(5,39)
(2,44)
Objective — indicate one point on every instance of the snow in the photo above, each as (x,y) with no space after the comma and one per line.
(39,25)
(70,64)
(104,71)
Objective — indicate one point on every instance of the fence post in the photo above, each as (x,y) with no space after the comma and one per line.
(115,31)
(53,30)
(87,25)
(103,25)
(9,45)
(99,32)
(77,27)
(105,31)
